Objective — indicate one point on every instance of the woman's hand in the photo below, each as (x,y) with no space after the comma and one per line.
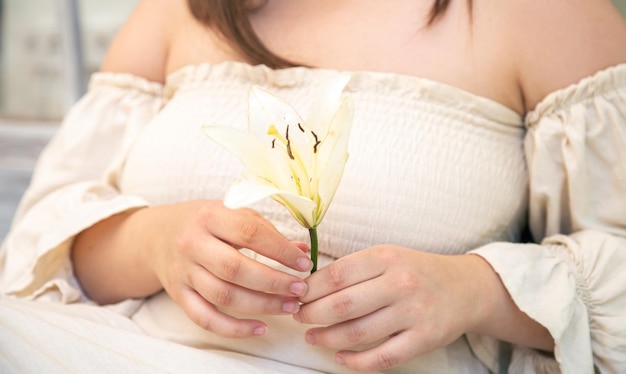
(202,269)
(402,303)
(191,250)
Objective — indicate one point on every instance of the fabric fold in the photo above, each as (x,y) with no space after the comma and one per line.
(457,174)
(572,282)
(74,185)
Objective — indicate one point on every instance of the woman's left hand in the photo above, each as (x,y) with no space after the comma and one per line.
(399,302)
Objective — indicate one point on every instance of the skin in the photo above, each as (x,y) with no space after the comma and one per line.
(513,52)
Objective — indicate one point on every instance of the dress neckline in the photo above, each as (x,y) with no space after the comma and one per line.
(611,78)
(299,76)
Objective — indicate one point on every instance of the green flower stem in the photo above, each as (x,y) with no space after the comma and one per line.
(313,235)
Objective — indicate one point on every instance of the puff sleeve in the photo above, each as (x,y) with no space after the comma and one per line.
(574,281)
(74,186)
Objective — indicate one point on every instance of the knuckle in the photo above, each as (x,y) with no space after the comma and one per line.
(386,360)
(184,243)
(224,296)
(303,315)
(269,307)
(387,254)
(355,334)
(231,268)
(408,283)
(275,286)
(233,332)
(336,275)
(206,216)
(282,252)
(213,325)
(342,305)
(248,230)
(205,211)
(204,321)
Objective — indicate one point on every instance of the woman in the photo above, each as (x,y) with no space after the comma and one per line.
(474,122)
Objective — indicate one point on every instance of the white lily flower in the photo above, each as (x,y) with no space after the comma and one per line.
(298,162)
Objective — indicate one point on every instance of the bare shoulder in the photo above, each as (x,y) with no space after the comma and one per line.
(141,45)
(560,42)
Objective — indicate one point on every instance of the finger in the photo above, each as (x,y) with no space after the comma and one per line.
(375,327)
(234,267)
(302,246)
(342,273)
(393,352)
(231,296)
(207,316)
(345,305)
(248,230)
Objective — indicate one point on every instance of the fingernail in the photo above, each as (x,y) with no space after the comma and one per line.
(298,288)
(304,263)
(310,338)
(339,360)
(260,330)
(291,307)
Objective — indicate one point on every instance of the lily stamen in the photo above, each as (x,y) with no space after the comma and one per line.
(305,181)
(317,142)
(289,144)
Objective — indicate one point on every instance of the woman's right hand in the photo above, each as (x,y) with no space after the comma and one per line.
(201,268)
(191,249)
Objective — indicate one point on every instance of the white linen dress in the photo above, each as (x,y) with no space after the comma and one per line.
(431,167)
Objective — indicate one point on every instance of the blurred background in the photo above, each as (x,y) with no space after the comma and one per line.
(48,49)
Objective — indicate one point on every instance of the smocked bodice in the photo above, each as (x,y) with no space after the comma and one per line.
(431,166)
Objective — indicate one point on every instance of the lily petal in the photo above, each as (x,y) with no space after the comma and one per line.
(325,104)
(250,189)
(299,164)
(265,109)
(302,209)
(255,155)
(337,138)
(333,155)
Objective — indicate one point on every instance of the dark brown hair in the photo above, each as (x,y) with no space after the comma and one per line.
(439,7)
(230,18)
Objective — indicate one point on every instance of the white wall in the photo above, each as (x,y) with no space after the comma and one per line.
(33,84)
(32,81)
